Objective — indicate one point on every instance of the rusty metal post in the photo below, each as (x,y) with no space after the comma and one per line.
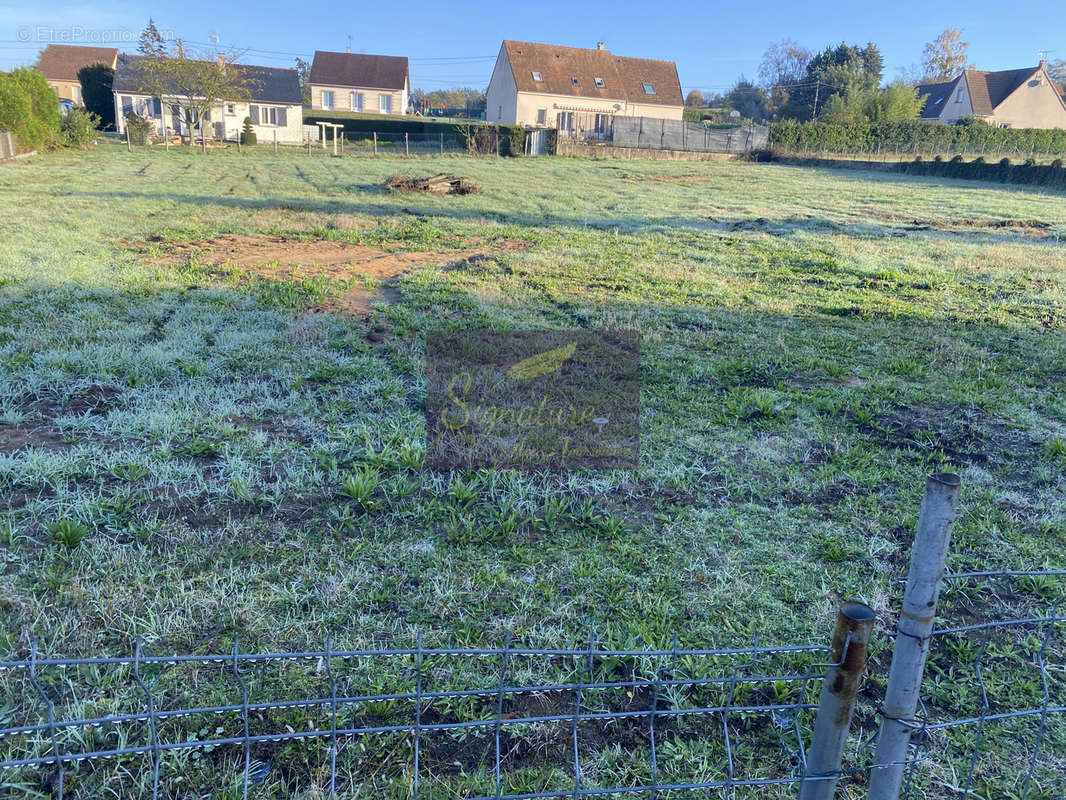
(855,622)
(928,558)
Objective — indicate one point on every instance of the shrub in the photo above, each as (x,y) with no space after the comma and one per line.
(248,134)
(512,140)
(29,108)
(138,128)
(78,128)
(96,80)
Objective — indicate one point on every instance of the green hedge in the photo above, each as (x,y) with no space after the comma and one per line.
(913,136)
(29,108)
(456,132)
(1003,171)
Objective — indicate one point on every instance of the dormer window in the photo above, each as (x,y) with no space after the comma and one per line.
(649,88)
(575,81)
(599,83)
(537,77)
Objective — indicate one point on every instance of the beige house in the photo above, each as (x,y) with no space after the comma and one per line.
(274,105)
(359,82)
(1013,98)
(543,85)
(59,63)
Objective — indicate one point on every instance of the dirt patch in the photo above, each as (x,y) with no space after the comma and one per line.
(367,272)
(436,184)
(14,438)
(1032,226)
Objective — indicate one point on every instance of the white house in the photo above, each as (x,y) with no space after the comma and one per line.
(274,104)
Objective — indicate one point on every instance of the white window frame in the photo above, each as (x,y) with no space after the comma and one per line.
(542,116)
(268,116)
(383,101)
(600,83)
(356,101)
(537,77)
(230,109)
(332,104)
(649,88)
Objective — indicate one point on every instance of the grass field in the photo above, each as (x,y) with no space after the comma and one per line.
(193,448)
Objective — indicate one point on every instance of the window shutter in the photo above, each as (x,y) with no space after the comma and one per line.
(157,108)
(282,118)
(253,112)
(127,105)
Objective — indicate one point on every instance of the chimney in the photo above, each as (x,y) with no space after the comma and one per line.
(347,49)
(599,46)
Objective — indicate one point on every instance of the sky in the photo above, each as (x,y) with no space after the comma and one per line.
(455,42)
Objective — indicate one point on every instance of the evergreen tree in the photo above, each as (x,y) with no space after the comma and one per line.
(96,80)
(152,43)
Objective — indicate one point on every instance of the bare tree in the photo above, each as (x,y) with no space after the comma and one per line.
(783,64)
(193,86)
(945,56)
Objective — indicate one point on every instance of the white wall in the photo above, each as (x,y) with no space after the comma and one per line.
(501,98)
(222,123)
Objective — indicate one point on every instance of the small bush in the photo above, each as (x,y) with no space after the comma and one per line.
(29,108)
(78,128)
(138,128)
(248,134)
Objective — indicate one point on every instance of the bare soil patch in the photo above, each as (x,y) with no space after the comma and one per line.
(436,184)
(371,271)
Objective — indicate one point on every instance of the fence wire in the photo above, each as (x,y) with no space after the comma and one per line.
(512,722)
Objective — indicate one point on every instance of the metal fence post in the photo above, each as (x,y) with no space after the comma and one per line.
(928,557)
(406,144)
(855,622)
(375,142)
(442,144)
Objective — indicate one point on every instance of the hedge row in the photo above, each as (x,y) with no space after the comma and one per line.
(913,136)
(456,132)
(1053,174)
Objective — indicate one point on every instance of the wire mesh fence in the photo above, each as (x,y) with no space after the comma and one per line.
(987,718)
(647,133)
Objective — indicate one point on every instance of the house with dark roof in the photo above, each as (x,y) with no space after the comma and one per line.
(1012,98)
(273,104)
(544,85)
(359,82)
(59,63)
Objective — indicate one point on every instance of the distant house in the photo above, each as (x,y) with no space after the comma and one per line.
(544,85)
(359,82)
(1013,98)
(274,105)
(59,63)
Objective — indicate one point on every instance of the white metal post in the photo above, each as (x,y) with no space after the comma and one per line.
(928,558)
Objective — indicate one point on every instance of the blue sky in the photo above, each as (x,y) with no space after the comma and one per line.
(451,42)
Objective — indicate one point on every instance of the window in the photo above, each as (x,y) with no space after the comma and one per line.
(76,93)
(566,122)
(270,115)
(356,101)
(599,83)
(386,104)
(575,81)
(499,113)
(537,77)
(649,88)
(603,125)
(958,96)
(327,101)
(231,109)
(542,115)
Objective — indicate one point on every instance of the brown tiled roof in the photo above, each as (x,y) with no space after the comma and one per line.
(936,97)
(359,70)
(623,78)
(61,62)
